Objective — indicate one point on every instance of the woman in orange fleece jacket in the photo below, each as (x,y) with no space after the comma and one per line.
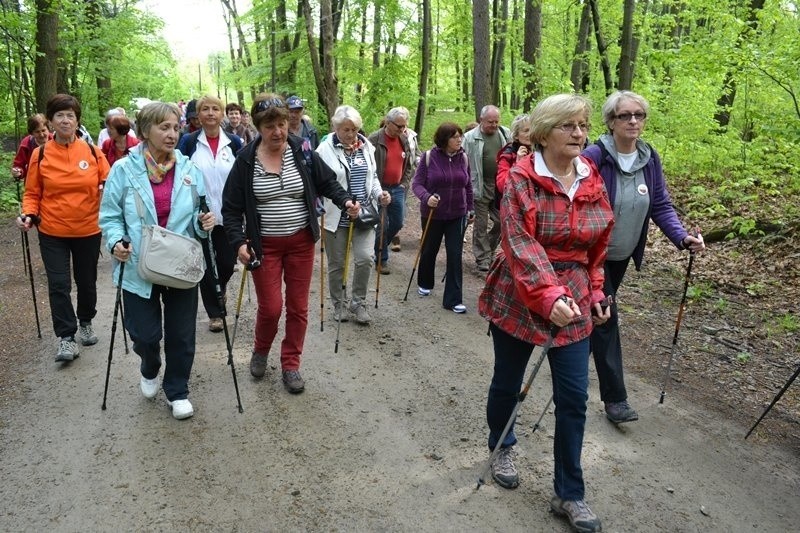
(62,198)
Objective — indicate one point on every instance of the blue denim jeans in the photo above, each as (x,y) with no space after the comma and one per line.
(569,366)
(143,319)
(395,216)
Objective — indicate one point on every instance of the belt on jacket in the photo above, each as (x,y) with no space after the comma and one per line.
(565,265)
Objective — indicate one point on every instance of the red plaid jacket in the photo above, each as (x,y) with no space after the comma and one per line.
(550,246)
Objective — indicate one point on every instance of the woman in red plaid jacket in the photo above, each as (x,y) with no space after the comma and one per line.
(556,223)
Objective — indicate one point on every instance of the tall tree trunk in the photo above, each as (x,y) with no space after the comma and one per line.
(580,66)
(602,47)
(377,26)
(362,48)
(726,99)
(498,47)
(102,81)
(235,61)
(625,65)
(325,78)
(531,51)
(243,51)
(514,96)
(427,32)
(481,77)
(46,65)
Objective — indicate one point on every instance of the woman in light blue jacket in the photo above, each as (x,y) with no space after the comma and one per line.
(352,157)
(168,186)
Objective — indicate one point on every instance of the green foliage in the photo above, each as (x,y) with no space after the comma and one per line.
(699,290)
(789,322)
(744,357)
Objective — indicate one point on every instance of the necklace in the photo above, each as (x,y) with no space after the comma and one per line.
(565,176)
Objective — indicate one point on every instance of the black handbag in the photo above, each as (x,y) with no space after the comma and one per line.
(370,213)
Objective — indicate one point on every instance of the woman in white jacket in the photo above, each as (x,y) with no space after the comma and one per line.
(352,158)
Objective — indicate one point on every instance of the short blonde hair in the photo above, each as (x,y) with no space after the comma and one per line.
(208,99)
(152,114)
(554,110)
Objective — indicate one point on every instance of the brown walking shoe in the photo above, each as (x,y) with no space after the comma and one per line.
(258,365)
(293,381)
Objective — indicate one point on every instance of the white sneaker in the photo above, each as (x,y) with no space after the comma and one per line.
(149,387)
(181,409)
(423,292)
(460,308)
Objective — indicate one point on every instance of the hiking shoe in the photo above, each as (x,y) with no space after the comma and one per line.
(396,244)
(619,412)
(580,517)
(67,349)
(86,334)
(258,365)
(383,268)
(460,309)
(293,381)
(360,313)
(423,292)
(503,470)
(181,408)
(339,313)
(149,387)
(483,267)
(215,325)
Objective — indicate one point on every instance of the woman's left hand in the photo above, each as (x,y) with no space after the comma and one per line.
(694,243)
(207,221)
(600,314)
(522,151)
(352,208)
(386,198)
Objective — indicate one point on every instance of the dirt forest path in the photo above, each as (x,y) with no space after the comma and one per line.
(389,435)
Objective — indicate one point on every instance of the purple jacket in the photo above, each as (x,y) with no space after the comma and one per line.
(447,176)
(661,209)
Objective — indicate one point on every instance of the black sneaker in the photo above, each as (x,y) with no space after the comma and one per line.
(619,412)
(293,381)
(580,517)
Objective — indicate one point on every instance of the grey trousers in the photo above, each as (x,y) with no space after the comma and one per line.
(484,238)
(361,250)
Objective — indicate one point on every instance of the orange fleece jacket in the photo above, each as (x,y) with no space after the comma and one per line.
(64,188)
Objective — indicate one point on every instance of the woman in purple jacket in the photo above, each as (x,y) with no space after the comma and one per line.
(442,184)
(633,176)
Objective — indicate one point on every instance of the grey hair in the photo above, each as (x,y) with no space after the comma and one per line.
(152,114)
(519,122)
(613,101)
(397,112)
(486,109)
(344,113)
(552,111)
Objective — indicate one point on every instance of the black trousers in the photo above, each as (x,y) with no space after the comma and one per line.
(83,253)
(605,340)
(225,256)
(143,320)
(452,231)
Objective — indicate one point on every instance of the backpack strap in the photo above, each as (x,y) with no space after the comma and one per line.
(190,146)
(91,148)
(41,156)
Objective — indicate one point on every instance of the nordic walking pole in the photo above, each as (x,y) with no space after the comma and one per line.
(124,334)
(380,254)
(419,252)
(26,245)
(212,264)
(126,241)
(239,305)
(344,282)
(544,412)
(677,327)
(22,238)
(322,272)
(775,400)
(521,398)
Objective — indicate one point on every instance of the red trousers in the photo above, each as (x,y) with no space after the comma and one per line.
(290,261)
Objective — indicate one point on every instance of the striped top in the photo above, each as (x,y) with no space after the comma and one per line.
(358,180)
(280,199)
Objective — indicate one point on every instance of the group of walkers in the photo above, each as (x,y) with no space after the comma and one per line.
(567,217)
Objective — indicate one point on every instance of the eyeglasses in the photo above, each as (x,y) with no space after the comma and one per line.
(399,126)
(570,127)
(626,117)
(263,105)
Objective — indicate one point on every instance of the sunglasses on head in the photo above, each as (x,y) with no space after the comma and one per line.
(263,105)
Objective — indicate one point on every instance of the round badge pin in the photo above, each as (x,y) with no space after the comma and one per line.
(83,164)
(642,189)
(187,180)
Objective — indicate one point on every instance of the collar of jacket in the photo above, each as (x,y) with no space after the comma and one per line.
(590,188)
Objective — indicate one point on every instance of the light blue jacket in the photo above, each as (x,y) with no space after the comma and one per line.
(118,214)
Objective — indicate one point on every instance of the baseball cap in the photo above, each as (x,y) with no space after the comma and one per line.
(294,102)
(191,109)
